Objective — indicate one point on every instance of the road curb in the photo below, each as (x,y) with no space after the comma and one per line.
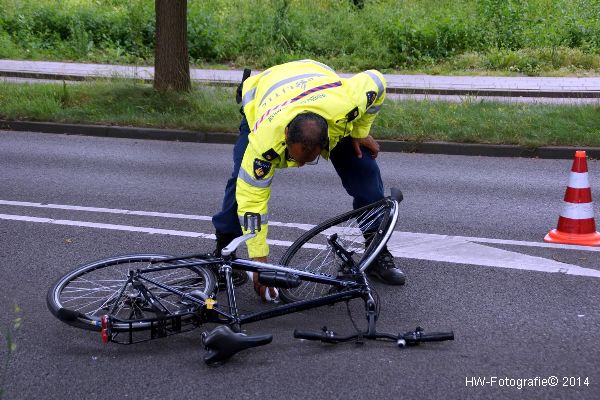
(396,146)
(478,92)
(120,132)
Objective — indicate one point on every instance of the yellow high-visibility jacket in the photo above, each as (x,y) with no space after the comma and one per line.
(272,99)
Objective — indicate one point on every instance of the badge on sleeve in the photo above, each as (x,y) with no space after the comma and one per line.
(351,116)
(270,154)
(371,97)
(261,168)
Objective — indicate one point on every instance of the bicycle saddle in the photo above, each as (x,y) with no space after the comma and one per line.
(222,343)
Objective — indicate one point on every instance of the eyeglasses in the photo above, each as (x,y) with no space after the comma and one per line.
(313,162)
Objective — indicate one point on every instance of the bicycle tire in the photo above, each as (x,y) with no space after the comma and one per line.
(371,225)
(91,282)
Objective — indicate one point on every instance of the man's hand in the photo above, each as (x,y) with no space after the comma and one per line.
(267,294)
(370,143)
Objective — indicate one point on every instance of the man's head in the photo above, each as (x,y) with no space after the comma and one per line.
(306,136)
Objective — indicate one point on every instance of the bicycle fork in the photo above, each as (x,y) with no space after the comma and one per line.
(371,311)
(227,273)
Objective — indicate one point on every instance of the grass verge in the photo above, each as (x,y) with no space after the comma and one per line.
(531,37)
(213,109)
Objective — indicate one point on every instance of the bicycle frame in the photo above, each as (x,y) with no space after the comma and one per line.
(352,290)
(355,287)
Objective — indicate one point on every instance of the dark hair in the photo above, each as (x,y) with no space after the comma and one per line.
(308,129)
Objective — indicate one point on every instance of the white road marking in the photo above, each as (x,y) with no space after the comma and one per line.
(138,213)
(103,210)
(304,227)
(458,250)
(432,247)
(113,227)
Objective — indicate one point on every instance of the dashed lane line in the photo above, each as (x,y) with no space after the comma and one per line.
(441,248)
(286,224)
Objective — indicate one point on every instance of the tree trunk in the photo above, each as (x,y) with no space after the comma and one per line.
(171,62)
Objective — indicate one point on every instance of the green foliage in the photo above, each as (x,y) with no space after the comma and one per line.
(505,21)
(523,36)
(7,48)
(73,30)
(11,346)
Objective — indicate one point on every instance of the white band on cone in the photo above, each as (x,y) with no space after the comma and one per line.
(578,211)
(579,180)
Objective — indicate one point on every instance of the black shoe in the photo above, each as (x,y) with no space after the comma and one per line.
(384,269)
(238,277)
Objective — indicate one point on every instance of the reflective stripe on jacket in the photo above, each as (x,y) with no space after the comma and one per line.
(272,99)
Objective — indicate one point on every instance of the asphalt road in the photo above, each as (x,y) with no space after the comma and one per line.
(511,323)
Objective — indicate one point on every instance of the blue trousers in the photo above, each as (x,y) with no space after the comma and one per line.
(360,177)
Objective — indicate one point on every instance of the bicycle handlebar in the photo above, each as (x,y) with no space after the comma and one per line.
(235,243)
(417,337)
(323,335)
(404,339)
(309,335)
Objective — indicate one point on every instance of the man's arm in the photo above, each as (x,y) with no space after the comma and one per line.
(253,190)
(369,87)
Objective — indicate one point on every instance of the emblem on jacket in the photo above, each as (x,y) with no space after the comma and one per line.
(351,116)
(371,97)
(270,154)
(261,168)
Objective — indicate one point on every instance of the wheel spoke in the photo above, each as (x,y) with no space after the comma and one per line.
(105,287)
(356,232)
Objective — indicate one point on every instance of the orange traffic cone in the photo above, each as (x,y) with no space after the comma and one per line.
(576,224)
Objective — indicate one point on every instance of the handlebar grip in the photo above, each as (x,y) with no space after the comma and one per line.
(309,335)
(436,336)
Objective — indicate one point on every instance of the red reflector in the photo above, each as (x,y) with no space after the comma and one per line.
(105,331)
(104,336)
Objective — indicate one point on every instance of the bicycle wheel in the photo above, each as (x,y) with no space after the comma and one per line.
(362,233)
(83,296)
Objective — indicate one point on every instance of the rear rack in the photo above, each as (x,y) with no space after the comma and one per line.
(125,332)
